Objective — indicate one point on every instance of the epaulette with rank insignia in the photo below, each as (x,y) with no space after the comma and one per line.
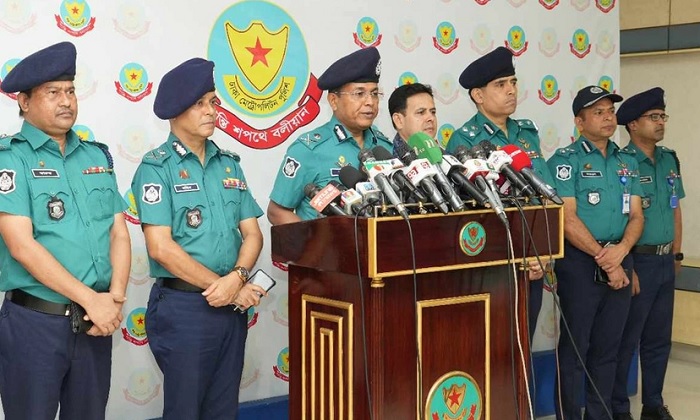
(312,139)
(627,151)
(566,151)
(228,153)
(378,134)
(527,124)
(471,130)
(156,157)
(6,143)
(675,157)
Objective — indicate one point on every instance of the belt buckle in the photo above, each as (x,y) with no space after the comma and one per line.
(664,249)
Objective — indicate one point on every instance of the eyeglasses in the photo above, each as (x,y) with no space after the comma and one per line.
(656,117)
(360,95)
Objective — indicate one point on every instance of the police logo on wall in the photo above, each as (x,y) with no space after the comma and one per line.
(194,218)
(151,193)
(7,181)
(549,91)
(4,69)
(281,369)
(407,36)
(367,33)
(133,82)
(605,6)
(142,387)
(445,39)
(135,330)
(56,208)
(516,41)
(564,172)
(580,45)
(74,18)
(290,168)
(262,69)
(18,17)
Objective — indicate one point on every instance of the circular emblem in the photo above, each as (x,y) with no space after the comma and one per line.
(6,67)
(134,143)
(605,46)
(445,88)
(646,202)
(564,172)
(517,42)
(606,82)
(131,19)
(549,138)
(456,395)
(281,369)
(367,33)
(549,89)
(482,40)
(139,266)
(262,65)
(407,38)
(445,132)
(407,78)
(131,214)
(445,39)
(135,330)
(16,16)
(580,45)
(75,18)
(549,44)
(133,82)
(472,238)
(142,387)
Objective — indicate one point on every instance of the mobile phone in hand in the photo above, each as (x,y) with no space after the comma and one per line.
(262,279)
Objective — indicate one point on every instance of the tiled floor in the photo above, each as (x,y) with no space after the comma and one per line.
(682,387)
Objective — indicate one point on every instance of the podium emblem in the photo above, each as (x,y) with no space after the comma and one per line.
(456,395)
(472,238)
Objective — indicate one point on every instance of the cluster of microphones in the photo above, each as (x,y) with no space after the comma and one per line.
(427,179)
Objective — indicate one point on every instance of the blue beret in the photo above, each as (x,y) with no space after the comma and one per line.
(640,103)
(359,67)
(182,86)
(56,62)
(496,64)
(590,95)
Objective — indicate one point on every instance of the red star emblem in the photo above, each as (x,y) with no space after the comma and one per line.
(133,76)
(259,53)
(140,321)
(75,10)
(454,397)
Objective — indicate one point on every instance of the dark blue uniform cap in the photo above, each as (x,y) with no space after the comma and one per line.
(590,95)
(496,64)
(640,103)
(53,63)
(359,67)
(182,86)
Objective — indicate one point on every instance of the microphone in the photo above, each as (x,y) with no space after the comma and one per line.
(324,199)
(397,175)
(523,164)
(379,178)
(352,177)
(426,148)
(350,200)
(501,161)
(480,172)
(456,172)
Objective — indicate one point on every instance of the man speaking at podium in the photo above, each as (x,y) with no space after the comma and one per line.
(317,156)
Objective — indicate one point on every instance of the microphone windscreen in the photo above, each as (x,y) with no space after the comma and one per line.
(425,147)
(310,190)
(520,158)
(350,176)
(381,153)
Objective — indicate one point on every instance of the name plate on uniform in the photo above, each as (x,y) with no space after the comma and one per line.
(183,188)
(591,174)
(45,173)
(645,180)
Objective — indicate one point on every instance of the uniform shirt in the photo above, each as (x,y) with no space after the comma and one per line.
(71,199)
(316,157)
(203,205)
(581,171)
(655,178)
(521,133)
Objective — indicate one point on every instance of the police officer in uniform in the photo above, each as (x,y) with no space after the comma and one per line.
(602,221)
(412,110)
(657,256)
(64,239)
(493,87)
(200,224)
(317,156)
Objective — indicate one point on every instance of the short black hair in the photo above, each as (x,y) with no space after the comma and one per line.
(399,97)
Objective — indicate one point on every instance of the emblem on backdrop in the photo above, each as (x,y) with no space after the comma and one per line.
(130,20)
(262,71)
(549,4)
(580,44)
(605,47)
(606,82)
(142,387)
(84,132)
(445,39)
(74,18)
(516,41)
(482,40)
(367,33)
(6,67)
(605,6)
(407,37)
(133,82)
(281,369)
(549,91)
(445,89)
(135,330)
(407,78)
(16,16)
(444,133)
(580,5)
(549,43)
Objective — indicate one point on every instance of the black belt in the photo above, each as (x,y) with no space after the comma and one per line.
(606,243)
(22,298)
(663,249)
(178,284)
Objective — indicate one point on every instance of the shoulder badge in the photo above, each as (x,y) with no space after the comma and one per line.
(627,151)
(675,157)
(228,153)
(565,151)
(6,143)
(105,149)
(378,134)
(471,130)
(527,124)
(311,139)
(156,157)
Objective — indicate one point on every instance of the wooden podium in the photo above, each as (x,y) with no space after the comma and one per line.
(466,350)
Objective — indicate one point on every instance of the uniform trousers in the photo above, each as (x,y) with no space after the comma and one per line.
(596,316)
(200,351)
(43,364)
(649,327)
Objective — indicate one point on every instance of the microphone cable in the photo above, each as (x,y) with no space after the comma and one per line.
(419,362)
(362,314)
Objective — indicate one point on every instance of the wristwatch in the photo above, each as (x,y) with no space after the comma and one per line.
(678,256)
(243,272)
